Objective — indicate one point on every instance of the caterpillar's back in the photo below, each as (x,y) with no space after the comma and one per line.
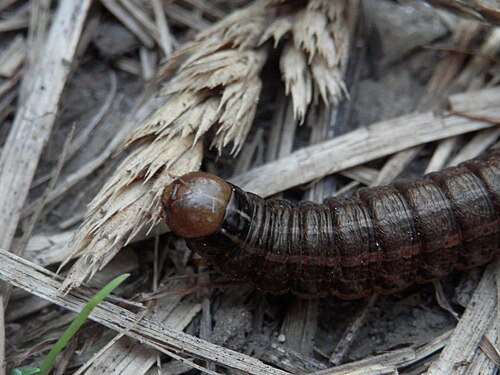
(382,240)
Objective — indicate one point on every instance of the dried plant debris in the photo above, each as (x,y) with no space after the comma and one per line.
(482,10)
(315,53)
(207,96)
(128,203)
(214,84)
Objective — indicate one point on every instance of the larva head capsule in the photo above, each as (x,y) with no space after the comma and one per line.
(195,204)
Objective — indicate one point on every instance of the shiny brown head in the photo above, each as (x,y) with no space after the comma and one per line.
(195,204)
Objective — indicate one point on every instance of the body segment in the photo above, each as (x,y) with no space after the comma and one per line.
(382,240)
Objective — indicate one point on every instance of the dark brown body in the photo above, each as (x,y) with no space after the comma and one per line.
(382,240)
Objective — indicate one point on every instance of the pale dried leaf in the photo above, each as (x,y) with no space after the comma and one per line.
(311,34)
(339,31)
(297,79)
(332,9)
(241,30)
(216,70)
(141,163)
(160,121)
(207,116)
(328,81)
(127,208)
(319,52)
(237,109)
(276,30)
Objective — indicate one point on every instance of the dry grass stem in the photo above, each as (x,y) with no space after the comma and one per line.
(391,360)
(473,76)
(187,18)
(166,38)
(126,356)
(349,150)
(470,329)
(481,142)
(45,284)
(483,10)
(16,20)
(34,120)
(140,14)
(129,21)
(6,3)
(13,57)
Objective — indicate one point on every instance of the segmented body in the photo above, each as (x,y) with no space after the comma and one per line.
(382,240)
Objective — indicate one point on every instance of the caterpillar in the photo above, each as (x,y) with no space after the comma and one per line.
(380,241)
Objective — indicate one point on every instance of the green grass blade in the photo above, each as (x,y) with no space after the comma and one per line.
(25,371)
(78,322)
